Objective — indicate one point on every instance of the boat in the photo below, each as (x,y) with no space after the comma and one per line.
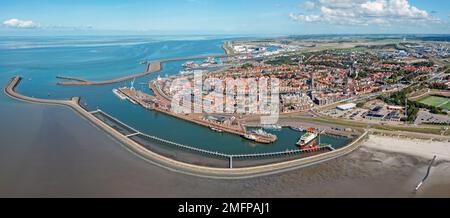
(261,132)
(307,138)
(187,72)
(190,64)
(272,127)
(260,136)
(132,101)
(250,137)
(119,94)
(299,129)
(216,129)
(210,60)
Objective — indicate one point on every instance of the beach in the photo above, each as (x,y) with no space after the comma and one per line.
(416,147)
(438,184)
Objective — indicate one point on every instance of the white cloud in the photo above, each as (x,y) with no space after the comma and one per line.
(309,5)
(24,24)
(377,7)
(362,12)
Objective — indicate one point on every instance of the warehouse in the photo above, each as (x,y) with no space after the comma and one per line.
(346,107)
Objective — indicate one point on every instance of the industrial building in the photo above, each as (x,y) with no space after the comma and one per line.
(346,107)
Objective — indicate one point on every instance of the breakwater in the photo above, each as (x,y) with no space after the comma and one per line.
(152,67)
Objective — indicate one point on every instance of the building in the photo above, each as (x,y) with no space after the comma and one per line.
(345,107)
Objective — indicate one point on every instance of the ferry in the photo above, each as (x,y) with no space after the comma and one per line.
(307,138)
(119,94)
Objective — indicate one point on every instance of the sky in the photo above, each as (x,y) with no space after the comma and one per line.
(215,17)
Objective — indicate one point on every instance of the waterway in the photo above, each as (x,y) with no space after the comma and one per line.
(40,59)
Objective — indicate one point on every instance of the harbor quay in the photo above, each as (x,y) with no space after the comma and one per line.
(218,165)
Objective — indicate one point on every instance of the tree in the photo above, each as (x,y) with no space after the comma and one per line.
(360,104)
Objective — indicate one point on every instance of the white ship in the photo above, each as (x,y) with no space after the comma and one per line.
(273,127)
(190,64)
(306,139)
(210,60)
(216,129)
(119,94)
(262,133)
(298,129)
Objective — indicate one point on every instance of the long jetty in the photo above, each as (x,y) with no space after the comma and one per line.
(178,166)
(152,67)
(430,165)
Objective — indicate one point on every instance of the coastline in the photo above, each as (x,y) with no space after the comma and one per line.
(190,169)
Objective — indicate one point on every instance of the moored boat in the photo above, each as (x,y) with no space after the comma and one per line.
(272,127)
(260,136)
(308,138)
(298,129)
(119,94)
(216,129)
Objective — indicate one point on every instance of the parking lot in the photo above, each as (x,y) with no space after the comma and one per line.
(425,117)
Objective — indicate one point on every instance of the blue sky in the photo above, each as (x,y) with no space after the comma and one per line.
(279,17)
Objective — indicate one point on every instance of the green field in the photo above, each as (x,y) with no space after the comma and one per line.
(436,101)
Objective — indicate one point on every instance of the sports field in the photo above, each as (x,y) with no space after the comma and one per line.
(436,101)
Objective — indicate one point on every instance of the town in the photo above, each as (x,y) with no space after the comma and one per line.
(380,83)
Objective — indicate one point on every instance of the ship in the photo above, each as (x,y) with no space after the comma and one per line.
(250,137)
(119,94)
(272,127)
(308,138)
(298,129)
(216,129)
(210,60)
(260,136)
(190,64)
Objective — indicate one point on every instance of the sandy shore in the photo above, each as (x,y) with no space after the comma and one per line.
(438,184)
(416,147)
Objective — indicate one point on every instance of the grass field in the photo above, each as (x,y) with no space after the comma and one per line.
(436,101)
